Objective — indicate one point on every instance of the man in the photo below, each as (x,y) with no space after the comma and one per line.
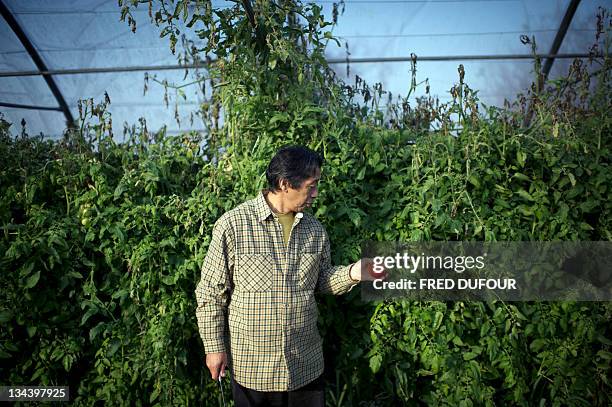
(256,308)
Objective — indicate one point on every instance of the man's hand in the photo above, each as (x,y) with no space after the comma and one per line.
(369,273)
(216,363)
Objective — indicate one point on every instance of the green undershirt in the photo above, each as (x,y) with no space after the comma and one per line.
(286,220)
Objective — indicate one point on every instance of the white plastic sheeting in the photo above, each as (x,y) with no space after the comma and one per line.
(71,34)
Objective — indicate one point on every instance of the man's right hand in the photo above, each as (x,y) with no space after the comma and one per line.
(216,363)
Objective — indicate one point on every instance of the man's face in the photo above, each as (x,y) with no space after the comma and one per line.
(301,198)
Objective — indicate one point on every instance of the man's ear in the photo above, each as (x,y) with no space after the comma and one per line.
(284,184)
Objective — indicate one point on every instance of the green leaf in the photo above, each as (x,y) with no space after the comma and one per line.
(457,341)
(521,176)
(74,274)
(604,340)
(37,374)
(438,320)
(525,195)
(57,354)
(470,355)
(32,280)
(31,331)
(537,344)
(484,328)
(121,188)
(11,347)
(67,362)
(604,355)
(88,263)
(95,331)
(91,311)
(120,293)
(360,174)
(168,280)
(26,269)
(114,346)
(519,314)
(309,122)
(5,316)
(375,363)
(374,159)
(279,117)
(521,157)
(355,217)
(154,395)
(474,181)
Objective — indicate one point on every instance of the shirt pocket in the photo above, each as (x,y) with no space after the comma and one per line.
(308,272)
(254,272)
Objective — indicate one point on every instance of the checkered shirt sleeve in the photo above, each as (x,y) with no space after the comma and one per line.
(214,289)
(333,280)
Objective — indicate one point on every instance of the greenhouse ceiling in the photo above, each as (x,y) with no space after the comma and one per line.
(54,53)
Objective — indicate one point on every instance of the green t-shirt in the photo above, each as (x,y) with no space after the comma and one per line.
(286,220)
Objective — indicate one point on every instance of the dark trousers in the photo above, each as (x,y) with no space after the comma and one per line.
(311,395)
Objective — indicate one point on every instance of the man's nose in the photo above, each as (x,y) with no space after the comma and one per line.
(315,192)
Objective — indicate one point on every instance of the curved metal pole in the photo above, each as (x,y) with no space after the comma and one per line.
(567,19)
(27,44)
(29,107)
(565,23)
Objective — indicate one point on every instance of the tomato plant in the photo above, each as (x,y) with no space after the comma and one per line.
(102,240)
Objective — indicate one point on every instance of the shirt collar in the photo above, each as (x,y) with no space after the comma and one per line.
(263,210)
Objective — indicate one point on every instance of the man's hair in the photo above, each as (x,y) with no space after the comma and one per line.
(295,164)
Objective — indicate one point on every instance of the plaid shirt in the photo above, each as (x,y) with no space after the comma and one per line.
(256,296)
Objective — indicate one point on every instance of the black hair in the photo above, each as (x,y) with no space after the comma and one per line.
(295,164)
